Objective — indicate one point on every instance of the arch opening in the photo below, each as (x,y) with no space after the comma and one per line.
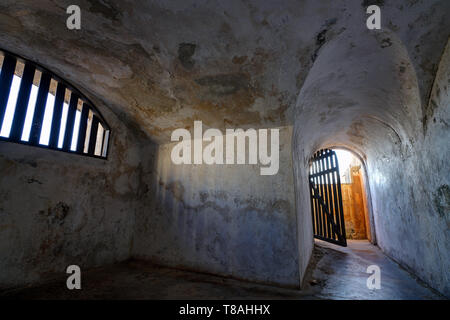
(340,207)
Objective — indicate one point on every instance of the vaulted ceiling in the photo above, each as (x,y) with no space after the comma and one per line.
(160,65)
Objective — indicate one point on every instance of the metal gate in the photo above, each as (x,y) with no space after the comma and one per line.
(326,198)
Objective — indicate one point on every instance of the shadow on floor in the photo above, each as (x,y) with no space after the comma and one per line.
(334,273)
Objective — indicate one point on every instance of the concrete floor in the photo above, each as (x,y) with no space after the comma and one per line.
(342,274)
(335,273)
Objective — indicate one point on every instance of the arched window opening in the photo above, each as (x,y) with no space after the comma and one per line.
(40,109)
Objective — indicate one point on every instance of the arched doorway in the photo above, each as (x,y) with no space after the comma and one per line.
(339,201)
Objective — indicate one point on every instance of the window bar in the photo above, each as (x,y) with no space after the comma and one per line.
(6,76)
(70,123)
(102,141)
(22,103)
(83,128)
(57,114)
(93,136)
(105,144)
(39,110)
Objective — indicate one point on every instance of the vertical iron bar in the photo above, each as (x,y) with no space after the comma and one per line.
(326,199)
(336,207)
(330,192)
(57,113)
(23,98)
(341,210)
(316,191)
(316,202)
(70,123)
(325,220)
(39,110)
(93,136)
(106,143)
(312,199)
(322,209)
(83,128)
(316,205)
(103,140)
(6,77)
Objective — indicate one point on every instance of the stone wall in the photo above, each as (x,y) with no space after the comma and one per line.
(411,194)
(377,110)
(222,219)
(58,209)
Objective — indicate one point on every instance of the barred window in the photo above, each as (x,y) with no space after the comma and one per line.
(40,109)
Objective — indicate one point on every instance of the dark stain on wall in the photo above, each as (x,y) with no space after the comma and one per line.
(224,84)
(33,180)
(367,3)
(441,199)
(386,42)
(321,37)
(106,9)
(320,40)
(57,213)
(185,53)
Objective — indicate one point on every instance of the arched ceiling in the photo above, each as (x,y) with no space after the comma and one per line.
(160,65)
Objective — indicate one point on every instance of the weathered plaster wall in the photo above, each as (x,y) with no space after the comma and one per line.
(58,209)
(238,63)
(221,219)
(414,226)
(160,65)
(376,109)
